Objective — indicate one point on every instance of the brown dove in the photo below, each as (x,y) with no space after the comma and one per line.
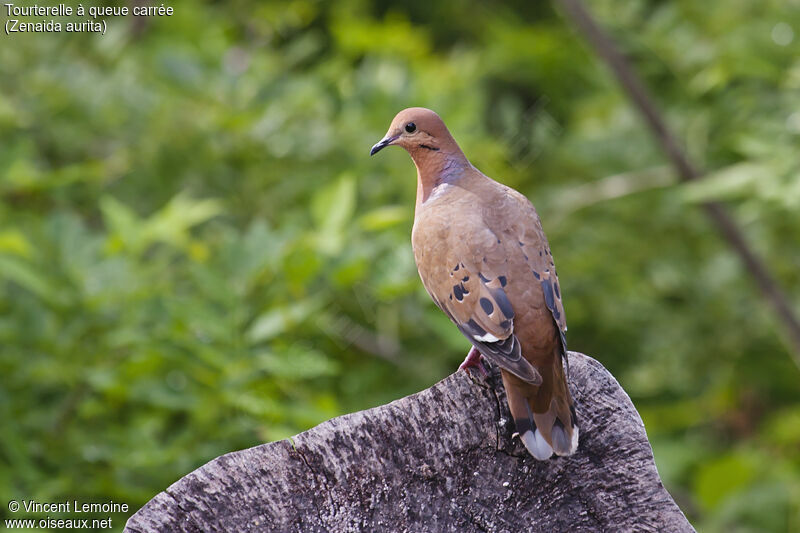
(484,259)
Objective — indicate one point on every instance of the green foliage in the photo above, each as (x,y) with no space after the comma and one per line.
(197,254)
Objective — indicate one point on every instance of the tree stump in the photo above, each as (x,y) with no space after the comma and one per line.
(440,460)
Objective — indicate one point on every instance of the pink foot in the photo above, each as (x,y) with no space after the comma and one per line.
(473,360)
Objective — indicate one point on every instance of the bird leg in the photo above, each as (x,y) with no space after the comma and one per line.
(474,359)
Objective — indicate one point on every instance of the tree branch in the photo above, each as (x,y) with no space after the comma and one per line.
(442,460)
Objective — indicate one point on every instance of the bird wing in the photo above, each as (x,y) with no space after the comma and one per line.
(466,278)
(536,252)
(520,215)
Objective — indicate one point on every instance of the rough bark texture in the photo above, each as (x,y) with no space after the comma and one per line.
(440,460)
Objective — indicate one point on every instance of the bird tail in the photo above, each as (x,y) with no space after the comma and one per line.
(544,415)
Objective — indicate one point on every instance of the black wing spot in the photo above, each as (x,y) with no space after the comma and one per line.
(483,278)
(455,268)
(536,274)
(465,279)
(501,299)
(487,306)
(459,292)
(474,329)
(505,324)
(503,281)
(555,288)
(549,299)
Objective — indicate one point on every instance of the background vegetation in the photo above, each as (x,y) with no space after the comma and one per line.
(197,254)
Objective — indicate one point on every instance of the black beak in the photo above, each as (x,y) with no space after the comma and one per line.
(383,143)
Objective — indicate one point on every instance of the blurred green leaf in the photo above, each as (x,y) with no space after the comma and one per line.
(297,363)
(23,273)
(276,321)
(718,478)
(385,217)
(13,241)
(333,207)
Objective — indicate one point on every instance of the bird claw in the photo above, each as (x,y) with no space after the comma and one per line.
(474,359)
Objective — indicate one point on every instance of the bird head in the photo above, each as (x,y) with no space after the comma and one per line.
(417,129)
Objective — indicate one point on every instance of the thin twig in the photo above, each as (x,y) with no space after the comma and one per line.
(607,50)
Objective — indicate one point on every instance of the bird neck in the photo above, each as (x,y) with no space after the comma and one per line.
(435,168)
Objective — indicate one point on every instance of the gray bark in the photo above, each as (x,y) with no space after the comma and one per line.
(440,460)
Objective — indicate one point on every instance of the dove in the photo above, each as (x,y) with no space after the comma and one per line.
(484,259)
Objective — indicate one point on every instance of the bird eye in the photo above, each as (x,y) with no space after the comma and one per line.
(411,127)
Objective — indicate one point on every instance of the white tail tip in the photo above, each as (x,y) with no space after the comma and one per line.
(536,445)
